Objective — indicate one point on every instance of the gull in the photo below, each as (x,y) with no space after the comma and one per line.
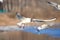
(24,20)
(55,5)
(1,0)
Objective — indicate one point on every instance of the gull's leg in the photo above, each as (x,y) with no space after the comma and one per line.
(22,25)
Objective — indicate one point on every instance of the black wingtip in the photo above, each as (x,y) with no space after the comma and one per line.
(49,2)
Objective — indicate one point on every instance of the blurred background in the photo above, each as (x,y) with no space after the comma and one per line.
(28,8)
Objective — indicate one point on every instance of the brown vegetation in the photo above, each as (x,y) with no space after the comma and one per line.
(7,19)
(21,35)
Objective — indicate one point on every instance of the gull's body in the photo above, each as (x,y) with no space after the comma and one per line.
(24,20)
(57,6)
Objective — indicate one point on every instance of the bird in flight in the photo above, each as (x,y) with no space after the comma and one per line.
(55,5)
(24,20)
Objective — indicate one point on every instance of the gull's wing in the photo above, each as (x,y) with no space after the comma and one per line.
(37,20)
(40,20)
(50,19)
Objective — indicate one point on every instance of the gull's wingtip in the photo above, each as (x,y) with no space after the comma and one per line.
(54,18)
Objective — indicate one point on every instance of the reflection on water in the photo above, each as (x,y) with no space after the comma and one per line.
(55,32)
(10,28)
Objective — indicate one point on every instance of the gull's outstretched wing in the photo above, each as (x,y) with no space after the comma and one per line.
(40,20)
(49,22)
(37,20)
(50,19)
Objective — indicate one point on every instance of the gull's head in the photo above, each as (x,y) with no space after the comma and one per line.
(58,7)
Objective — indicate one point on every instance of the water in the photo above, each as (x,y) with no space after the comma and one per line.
(10,28)
(54,32)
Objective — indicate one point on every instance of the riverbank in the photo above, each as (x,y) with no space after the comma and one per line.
(6,20)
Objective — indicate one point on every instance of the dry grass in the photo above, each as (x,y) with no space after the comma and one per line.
(7,19)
